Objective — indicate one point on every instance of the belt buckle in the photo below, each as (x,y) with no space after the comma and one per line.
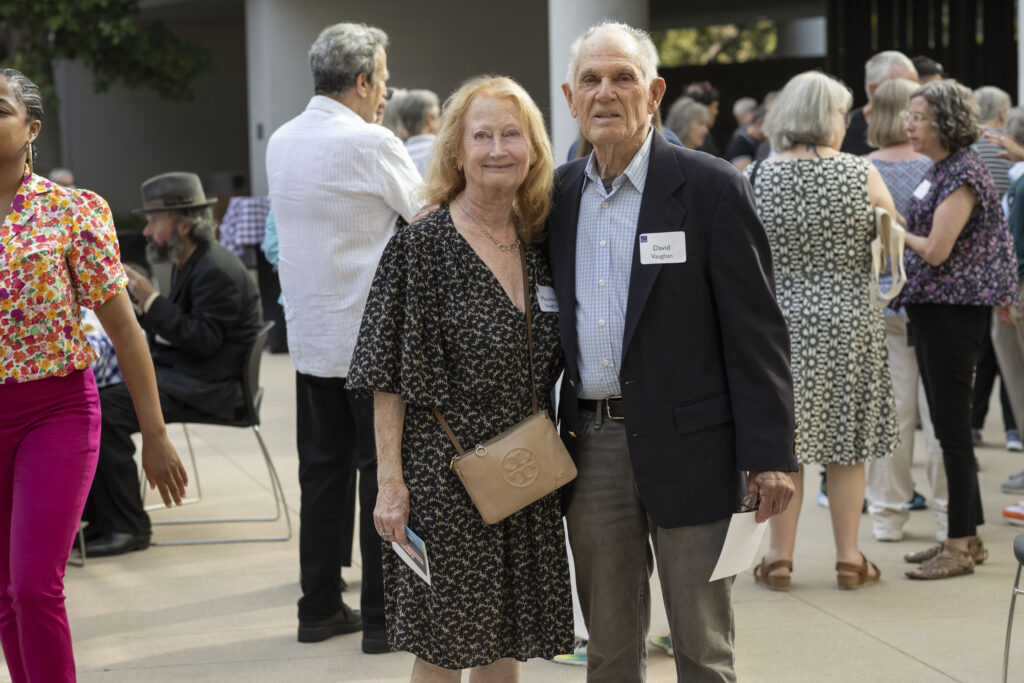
(608,409)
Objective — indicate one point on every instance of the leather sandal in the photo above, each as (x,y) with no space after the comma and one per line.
(945,565)
(861,576)
(974,546)
(763,574)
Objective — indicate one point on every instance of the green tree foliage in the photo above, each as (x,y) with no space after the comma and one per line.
(724,43)
(107,37)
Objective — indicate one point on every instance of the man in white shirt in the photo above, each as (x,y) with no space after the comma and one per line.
(338,183)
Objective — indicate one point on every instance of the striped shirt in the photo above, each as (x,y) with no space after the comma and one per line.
(604,259)
(997,168)
(337,185)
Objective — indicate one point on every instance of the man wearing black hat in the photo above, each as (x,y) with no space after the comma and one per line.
(199,335)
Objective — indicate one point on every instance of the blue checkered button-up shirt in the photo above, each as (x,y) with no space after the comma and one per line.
(604,258)
(244,222)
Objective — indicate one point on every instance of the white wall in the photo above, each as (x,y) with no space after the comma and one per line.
(566,20)
(434,45)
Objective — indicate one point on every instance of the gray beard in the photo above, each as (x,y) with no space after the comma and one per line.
(170,251)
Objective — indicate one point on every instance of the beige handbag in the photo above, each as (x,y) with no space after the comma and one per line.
(889,243)
(522,464)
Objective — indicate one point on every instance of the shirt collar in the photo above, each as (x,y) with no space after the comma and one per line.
(33,184)
(636,171)
(324,103)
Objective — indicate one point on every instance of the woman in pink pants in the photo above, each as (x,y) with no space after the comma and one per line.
(58,252)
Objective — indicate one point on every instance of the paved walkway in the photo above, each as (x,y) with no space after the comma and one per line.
(227,612)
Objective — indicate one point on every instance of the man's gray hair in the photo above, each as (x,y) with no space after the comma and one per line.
(204,227)
(1015,124)
(343,51)
(743,105)
(647,53)
(886,65)
(807,110)
(992,101)
(415,107)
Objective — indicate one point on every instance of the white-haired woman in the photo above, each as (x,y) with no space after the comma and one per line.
(817,207)
(690,120)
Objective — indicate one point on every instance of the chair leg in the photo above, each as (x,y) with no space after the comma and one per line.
(80,539)
(1009,623)
(279,504)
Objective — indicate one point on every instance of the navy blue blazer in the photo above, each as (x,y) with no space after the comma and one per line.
(705,372)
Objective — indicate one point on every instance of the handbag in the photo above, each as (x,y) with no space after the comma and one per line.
(522,464)
(889,244)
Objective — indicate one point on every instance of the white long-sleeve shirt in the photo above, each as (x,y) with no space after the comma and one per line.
(337,186)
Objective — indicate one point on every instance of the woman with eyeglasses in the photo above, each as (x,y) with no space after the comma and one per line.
(960,263)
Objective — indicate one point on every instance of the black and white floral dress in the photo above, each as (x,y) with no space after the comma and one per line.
(439,330)
(820,224)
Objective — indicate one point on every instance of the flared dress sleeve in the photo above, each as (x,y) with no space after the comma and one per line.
(400,347)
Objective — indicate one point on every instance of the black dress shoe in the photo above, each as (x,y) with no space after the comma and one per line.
(376,642)
(346,620)
(115,543)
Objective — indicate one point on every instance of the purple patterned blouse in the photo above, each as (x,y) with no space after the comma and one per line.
(981,269)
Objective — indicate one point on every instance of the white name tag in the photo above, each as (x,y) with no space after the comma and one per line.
(922,190)
(546,298)
(663,247)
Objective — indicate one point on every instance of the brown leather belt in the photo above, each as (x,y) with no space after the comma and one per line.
(613,407)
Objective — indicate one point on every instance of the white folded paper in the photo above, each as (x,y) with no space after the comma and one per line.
(741,544)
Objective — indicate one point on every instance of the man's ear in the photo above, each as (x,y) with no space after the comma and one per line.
(363,86)
(568,98)
(657,92)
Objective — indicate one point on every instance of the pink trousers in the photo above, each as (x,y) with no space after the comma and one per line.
(49,442)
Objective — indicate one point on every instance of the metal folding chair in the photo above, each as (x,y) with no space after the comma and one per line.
(1018,550)
(251,419)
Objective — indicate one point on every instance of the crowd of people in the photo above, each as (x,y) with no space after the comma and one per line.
(439,273)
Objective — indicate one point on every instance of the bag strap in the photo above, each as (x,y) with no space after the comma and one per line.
(753,172)
(528,305)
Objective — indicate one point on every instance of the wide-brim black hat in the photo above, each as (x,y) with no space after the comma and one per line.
(173,191)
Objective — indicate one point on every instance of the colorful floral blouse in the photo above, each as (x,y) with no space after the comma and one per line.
(981,270)
(58,252)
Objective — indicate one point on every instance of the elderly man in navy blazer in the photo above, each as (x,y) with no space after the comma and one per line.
(677,398)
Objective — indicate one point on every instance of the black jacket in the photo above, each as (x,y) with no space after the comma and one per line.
(705,371)
(200,333)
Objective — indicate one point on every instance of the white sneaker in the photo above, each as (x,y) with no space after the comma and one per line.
(578,656)
(886,534)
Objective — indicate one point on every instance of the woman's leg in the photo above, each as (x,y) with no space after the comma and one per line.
(783,527)
(10,435)
(845,501)
(425,672)
(948,340)
(53,468)
(502,671)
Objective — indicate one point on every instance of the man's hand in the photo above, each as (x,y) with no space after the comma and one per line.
(775,490)
(139,286)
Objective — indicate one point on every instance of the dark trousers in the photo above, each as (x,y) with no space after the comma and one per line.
(948,341)
(335,435)
(984,379)
(270,290)
(115,500)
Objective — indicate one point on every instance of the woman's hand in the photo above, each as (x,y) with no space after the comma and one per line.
(163,468)
(1012,149)
(391,514)
(425,211)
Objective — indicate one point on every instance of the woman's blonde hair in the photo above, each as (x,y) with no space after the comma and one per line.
(806,111)
(446,178)
(890,100)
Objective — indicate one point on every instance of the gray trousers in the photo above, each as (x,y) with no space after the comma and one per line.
(611,537)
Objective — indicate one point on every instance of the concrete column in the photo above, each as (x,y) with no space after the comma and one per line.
(566,20)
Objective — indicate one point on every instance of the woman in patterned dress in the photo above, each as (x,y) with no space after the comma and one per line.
(890,484)
(58,252)
(962,263)
(817,207)
(445,327)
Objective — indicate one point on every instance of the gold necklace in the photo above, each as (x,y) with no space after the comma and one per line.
(500,245)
